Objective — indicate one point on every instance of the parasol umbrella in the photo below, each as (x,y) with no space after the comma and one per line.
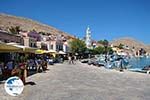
(50,51)
(39,51)
(61,52)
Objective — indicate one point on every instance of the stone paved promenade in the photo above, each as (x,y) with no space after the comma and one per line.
(83,82)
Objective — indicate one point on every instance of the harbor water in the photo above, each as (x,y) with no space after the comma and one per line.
(139,62)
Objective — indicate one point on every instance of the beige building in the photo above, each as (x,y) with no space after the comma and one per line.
(53,43)
(30,38)
(8,37)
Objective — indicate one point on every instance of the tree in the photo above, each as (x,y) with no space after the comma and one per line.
(110,50)
(15,30)
(77,46)
(103,49)
(43,33)
(120,46)
(99,50)
(103,42)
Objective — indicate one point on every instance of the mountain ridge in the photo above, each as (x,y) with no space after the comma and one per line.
(131,43)
(27,24)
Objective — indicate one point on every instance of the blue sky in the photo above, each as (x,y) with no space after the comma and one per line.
(108,19)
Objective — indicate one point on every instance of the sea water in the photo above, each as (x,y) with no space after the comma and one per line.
(139,62)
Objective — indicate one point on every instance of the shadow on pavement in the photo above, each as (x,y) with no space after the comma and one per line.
(2,82)
(30,83)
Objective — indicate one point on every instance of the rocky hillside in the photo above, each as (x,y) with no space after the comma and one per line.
(7,21)
(130,42)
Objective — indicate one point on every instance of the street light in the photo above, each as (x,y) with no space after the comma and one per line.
(105,51)
(88,52)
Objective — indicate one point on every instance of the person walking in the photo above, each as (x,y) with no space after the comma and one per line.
(72,59)
(69,59)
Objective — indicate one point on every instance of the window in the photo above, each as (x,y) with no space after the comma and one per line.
(34,45)
(57,46)
(60,47)
(51,46)
(6,41)
(30,44)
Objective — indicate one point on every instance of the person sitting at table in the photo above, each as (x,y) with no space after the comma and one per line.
(1,69)
(9,67)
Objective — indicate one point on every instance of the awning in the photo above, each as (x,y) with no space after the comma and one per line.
(23,48)
(9,48)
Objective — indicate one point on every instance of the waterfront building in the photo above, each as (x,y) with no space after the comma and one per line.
(30,38)
(9,37)
(56,42)
(53,42)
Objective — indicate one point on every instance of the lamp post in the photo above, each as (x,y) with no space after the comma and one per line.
(105,51)
(87,52)
(89,55)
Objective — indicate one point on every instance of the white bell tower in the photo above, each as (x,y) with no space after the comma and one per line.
(88,37)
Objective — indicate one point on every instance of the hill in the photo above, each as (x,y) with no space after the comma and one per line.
(7,21)
(130,42)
